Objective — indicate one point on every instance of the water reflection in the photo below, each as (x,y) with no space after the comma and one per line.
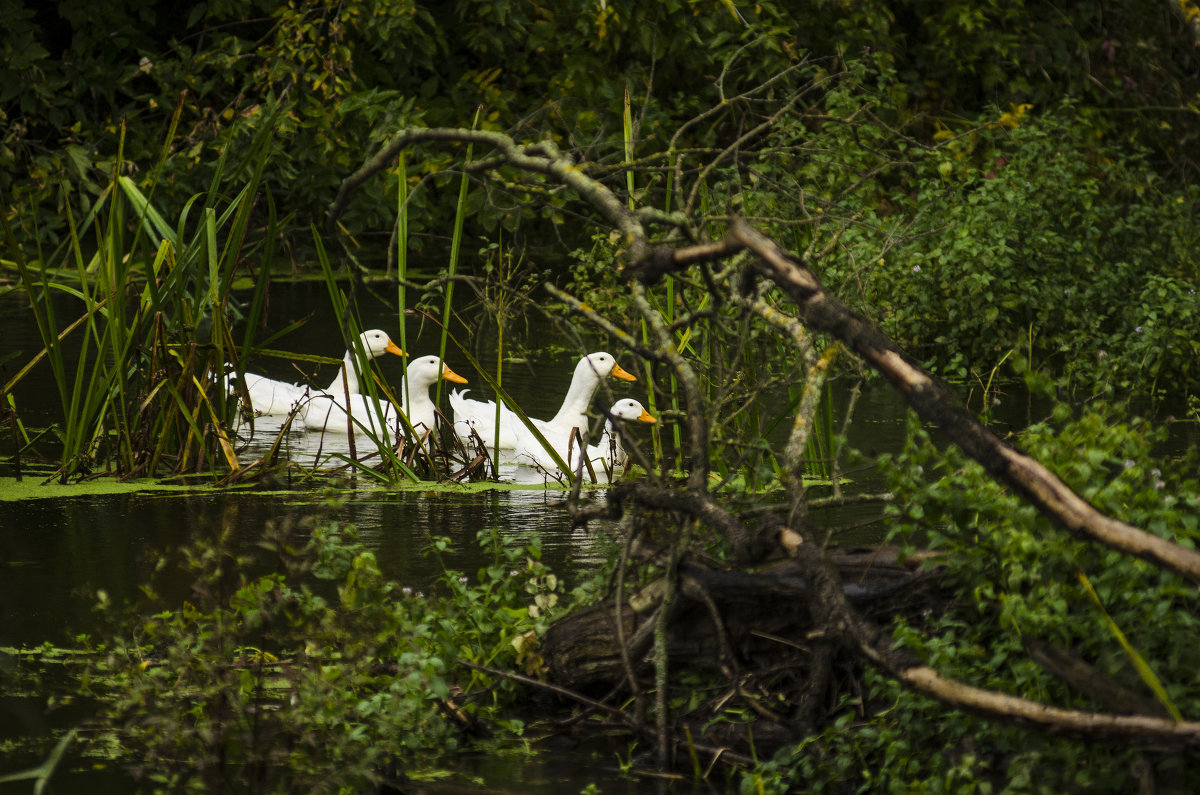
(58,553)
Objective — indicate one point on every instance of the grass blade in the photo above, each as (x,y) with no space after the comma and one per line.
(1139,663)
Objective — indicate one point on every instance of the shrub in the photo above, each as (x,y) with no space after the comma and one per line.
(319,674)
(1016,579)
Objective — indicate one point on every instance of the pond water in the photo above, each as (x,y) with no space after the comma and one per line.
(57,553)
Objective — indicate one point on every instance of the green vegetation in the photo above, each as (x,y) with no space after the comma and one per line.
(998,187)
(1018,583)
(987,178)
(1029,236)
(155,320)
(317,672)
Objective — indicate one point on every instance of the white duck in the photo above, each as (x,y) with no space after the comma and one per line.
(329,410)
(607,459)
(480,416)
(268,396)
(610,453)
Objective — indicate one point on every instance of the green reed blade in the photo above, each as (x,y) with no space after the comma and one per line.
(455,244)
(258,301)
(1139,662)
(152,221)
(499,381)
(363,468)
(402,258)
(627,134)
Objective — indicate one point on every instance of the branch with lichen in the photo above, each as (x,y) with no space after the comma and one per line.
(542,157)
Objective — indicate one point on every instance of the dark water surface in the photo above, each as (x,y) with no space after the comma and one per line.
(55,554)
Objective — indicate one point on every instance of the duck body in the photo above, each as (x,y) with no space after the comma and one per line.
(610,452)
(334,412)
(606,460)
(269,397)
(480,416)
(272,397)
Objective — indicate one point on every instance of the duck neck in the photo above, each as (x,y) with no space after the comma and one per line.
(414,395)
(573,413)
(351,377)
(415,401)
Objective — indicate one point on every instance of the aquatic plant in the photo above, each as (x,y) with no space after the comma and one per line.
(139,361)
(302,668)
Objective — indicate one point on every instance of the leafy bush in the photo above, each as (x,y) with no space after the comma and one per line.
(319,674)
(1026,235)
(1020,579)
(348,75)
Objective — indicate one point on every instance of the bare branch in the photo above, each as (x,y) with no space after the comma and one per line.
(539,158)
(1140,729)
(839,618)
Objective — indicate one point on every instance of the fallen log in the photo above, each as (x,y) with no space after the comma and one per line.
(730,620)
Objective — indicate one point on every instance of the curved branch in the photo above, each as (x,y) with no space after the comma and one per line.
(540,158)
(1142,729)
(833,612)
(934,402)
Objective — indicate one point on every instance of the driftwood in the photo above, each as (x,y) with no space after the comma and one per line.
(727,619)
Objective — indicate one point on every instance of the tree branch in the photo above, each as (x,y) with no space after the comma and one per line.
(833,612)
(930,398)
(539,158)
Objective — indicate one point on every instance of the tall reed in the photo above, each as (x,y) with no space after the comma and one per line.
(139,387)
(378,395)
(402,259)
(627,140)
(460,215)
(667,309)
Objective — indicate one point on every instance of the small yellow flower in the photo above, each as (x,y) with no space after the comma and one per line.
(1013,118)
(943,133)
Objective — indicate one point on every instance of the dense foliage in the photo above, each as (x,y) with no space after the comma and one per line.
(350,74)
(1021,581)
(1024,234)
(318,674)
(992,182)
(1016,233)
(1017,174)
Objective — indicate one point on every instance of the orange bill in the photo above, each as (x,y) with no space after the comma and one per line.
(450,375)
(394,348)
(646,417)
(618,372)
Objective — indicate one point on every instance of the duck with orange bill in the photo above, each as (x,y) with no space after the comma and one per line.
(480,417)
